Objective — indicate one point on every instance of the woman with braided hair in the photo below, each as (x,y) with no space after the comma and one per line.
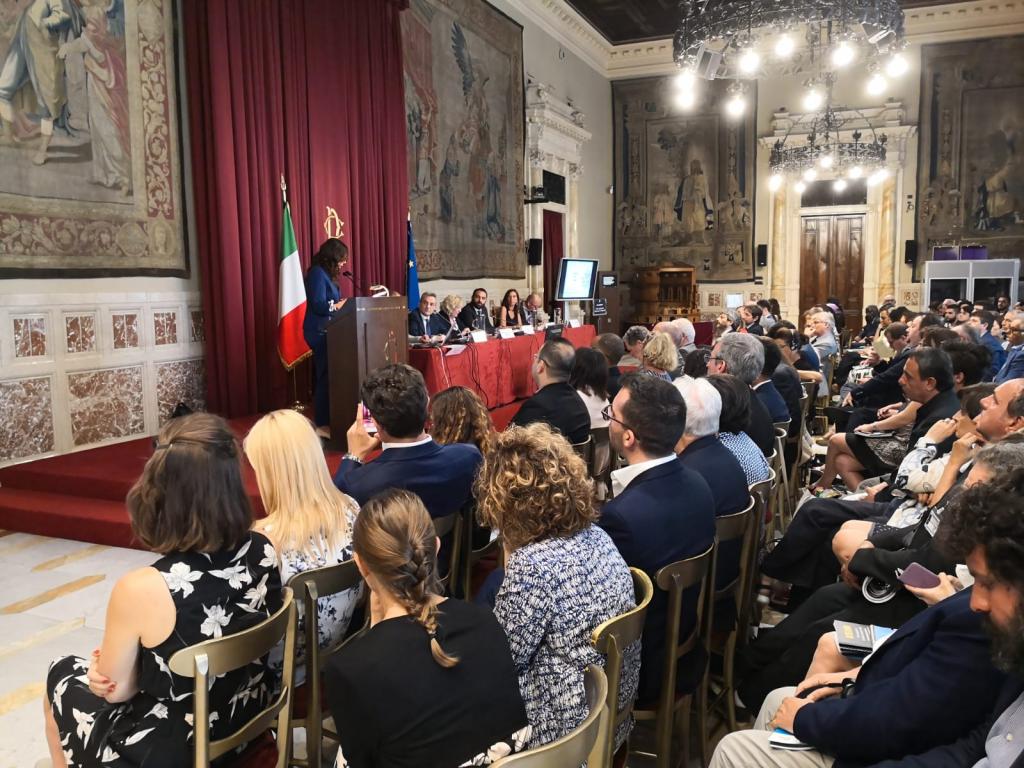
(431,682)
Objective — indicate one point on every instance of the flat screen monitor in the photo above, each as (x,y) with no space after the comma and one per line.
(577,279)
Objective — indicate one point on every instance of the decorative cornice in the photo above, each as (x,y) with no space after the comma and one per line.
(570,29)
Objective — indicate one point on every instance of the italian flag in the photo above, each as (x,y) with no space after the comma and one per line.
(291,299)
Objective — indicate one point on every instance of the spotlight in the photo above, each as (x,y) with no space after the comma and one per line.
(775,182)
(686,80)
(856,172)
(784,47)
(877,85)
(813,99)
(843,55)
(800,187)
(897,65)
(686,99)
(839,185)
(735,106)
(810,175)
(826,161)
(749,61)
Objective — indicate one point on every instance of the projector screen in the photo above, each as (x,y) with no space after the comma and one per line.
(577,279)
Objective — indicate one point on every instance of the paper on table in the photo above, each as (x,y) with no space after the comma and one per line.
(455,349)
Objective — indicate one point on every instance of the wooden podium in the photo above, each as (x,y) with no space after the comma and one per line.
(364,335)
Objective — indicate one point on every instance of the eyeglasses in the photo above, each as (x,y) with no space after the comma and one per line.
(714,359)
(606,414)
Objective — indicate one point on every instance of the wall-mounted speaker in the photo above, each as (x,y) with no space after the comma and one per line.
(535,252)
(762,255)
(910,252)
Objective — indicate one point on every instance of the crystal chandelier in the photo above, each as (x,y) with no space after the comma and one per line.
(746,39)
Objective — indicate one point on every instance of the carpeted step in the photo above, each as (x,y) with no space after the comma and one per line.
(68,517)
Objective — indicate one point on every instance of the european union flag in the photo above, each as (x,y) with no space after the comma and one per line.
(412,287)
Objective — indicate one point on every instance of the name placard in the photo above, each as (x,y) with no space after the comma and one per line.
(479,337)
(506,333)
(529,330)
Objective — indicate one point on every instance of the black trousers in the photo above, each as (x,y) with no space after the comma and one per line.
(804,555)
(781,656)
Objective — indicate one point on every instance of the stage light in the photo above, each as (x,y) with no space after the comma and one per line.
(775,182)
(826,161)
(736,105)
(800,187)
(856,172)
(839,185)
(784,47)
(686,99)
(810,175)
(877,84)
(813,99)
(686,80)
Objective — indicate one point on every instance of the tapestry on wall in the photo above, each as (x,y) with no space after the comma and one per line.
(684,181)
(464,120)
(971,153)
(89,142)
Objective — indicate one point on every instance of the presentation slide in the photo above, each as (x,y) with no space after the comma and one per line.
(577,279)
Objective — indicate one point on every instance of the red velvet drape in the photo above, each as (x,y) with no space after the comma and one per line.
(312,89)
(553,252)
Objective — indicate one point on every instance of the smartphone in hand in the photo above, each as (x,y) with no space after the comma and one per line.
(916,575)
(368,424)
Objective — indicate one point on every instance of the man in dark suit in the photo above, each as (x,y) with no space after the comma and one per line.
(932,680)
(613,348)
(424,322)
(441,475)
(556,403)
(764,386)
(662,512)
(984,320)
(475,315)
(1013,368)
(742,355)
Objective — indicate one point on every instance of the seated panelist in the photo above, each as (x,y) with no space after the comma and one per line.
(424,323)
(474,315)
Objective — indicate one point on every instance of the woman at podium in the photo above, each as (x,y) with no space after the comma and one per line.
(323,299)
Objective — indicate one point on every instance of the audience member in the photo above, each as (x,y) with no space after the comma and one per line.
(474,316)
(1013,367)
(696,365)
(611,346)
(441,475)
(678,338)
(511,313)
(431,682)
(786,380)
(634,339)
(764,388)
(457,415)
(750,319)
(732,422)
(689,339)
(796,351)
(309,521)
(563,576)
(424,323)
(723,325)
(822,332)
(555,402)
(662,512)
(215,577)
(743,357)
(660,356)
(871,322)
(768,318)
(589,378)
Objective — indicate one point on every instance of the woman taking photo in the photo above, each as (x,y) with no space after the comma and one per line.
(323,299)
(563,577)
(309,521)
(122,707)
(511,314)
(431,683)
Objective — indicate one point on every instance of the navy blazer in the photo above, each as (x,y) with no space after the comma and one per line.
(441,475)
(320,292)
(933,680)
(998,354)
(762,426)
(666,513)
(438,325)
(561,407)
(1013,368)
(771,399)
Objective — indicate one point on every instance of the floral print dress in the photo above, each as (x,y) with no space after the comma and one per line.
(214,594)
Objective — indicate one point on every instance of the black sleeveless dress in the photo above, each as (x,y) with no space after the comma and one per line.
(214,595)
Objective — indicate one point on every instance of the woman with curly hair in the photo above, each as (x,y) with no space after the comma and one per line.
(564,575)
(457,415)
(431,682)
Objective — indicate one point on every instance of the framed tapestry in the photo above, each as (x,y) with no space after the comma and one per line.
(684,181)
(970,164)
(465,128)
(90,140)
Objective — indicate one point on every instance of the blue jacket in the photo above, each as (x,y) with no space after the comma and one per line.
(998,354)
(772,400)
(320,291)
(441,475)
(437,324)
(1013,368)
(665,514)
(932,681)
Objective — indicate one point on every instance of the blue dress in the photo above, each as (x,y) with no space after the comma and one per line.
(320,292)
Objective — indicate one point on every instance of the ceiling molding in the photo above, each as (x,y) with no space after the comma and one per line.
(939,23)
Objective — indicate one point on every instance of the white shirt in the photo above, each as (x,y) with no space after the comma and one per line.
(621,478)
(594,405)
(424,441)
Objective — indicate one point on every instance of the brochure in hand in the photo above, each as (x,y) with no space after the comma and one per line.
(782,739)
(857,641)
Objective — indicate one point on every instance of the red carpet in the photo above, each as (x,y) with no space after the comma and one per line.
(81,495)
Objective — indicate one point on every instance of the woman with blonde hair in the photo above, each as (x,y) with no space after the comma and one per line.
(432,681)
(449,312)
(309,521)
(564,575)
(457,415)
(660,356)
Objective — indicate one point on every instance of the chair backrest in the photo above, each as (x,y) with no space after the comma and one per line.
(469,556)
(575,747)
(451,524)
(611,638)
(208,660)
(734,527)
(585,450)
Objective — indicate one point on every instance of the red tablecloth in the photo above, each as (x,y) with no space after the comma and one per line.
(498,370)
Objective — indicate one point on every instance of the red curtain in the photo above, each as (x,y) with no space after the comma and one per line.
(553,252)
(312,89)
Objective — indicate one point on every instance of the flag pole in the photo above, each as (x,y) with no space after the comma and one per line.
(297,405)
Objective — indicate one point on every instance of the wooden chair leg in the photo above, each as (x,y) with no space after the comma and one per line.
(729,678)
(702,724)
(686,732)
(663,739)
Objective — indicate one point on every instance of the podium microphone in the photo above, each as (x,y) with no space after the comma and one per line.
(352,280)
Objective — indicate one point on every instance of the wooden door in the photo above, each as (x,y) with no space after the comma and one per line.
(832,264)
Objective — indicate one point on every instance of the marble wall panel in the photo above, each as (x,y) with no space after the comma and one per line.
(165,328)
(105,404)
(125,326)
(181,381)
(26,428)
(198,328)
(30,336)
(80,332)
